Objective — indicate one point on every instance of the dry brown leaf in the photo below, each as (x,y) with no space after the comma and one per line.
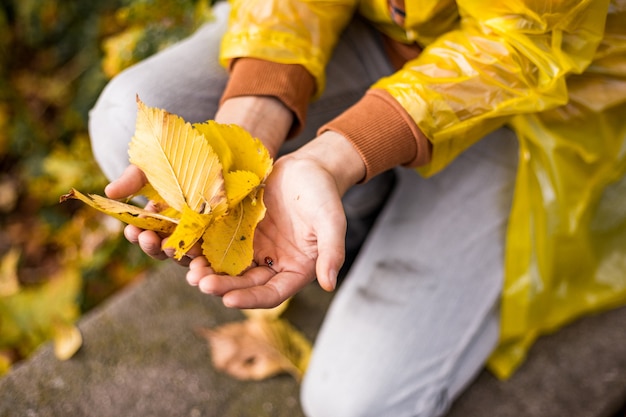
(256,349)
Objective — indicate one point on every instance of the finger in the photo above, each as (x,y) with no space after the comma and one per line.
(150,243)
(131,233)
(184,261)
(282,286)
(170,251)
(131,181)
(199,262)
(193,252)
(151,206)
(215,284)
(198,269)
(331,255)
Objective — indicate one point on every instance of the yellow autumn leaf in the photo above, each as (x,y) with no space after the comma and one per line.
(9,282)
(240,184)
(227,242)
(6,359)
(219,137)
(125,212)
(246,152)
(206,180)
(249,154)
(190,229)
(245,160)
(118,50)
(177,161)
(67,341)
(151,194)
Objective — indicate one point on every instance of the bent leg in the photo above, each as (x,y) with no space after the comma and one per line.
(417,315)
(185,79)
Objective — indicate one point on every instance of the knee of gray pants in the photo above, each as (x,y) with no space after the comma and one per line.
(365,395)
(111,126)
(185,79)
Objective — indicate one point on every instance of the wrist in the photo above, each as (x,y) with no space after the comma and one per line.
(335,154)
(266,118)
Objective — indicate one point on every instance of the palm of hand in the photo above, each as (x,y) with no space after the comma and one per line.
(302,236)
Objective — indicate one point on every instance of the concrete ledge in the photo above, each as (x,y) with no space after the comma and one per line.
(142,357)
(578,371)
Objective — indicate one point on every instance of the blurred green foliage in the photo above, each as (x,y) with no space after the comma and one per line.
(59,260)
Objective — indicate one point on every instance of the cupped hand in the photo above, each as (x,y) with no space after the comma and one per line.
(264,117)
(301,237)
(127,185)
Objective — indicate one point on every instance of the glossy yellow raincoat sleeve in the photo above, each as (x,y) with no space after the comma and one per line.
(506,58)
(286,31)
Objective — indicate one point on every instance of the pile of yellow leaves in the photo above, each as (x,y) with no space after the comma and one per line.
(206,180)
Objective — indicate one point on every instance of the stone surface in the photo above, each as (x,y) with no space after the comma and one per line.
(142,357)
(578,371)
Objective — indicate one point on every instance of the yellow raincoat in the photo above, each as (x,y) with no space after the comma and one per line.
(554,72)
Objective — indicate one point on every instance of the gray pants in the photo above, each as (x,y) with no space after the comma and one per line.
(417,314)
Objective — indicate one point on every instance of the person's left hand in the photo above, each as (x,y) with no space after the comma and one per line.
(301,237)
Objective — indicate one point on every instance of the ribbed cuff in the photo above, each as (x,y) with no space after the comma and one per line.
(292,84)
(382,132)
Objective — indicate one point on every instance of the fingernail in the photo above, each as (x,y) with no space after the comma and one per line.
(332,278)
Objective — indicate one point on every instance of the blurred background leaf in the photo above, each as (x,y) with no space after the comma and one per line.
(59,260)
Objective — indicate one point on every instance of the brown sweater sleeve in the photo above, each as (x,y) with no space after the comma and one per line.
(290,83)
(382,132)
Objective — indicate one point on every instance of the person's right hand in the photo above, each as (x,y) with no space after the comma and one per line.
(127,185)
(266,118)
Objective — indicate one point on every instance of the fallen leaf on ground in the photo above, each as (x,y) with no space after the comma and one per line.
(67,341)
(256,349)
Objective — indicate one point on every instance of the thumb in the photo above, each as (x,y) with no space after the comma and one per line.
(331,255)
(129,183)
